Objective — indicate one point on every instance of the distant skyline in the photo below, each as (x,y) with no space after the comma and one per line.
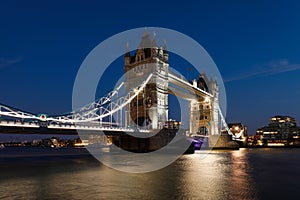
(255,45)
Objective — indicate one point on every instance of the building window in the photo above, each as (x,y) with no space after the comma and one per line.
(140,102)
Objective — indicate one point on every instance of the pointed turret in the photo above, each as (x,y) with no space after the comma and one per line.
(146,41)
(165,51)
(154,49)
(127,55)
(154,40)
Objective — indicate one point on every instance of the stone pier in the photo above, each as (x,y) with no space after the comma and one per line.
(223,141)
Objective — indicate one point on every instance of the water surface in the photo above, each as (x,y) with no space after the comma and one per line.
(74,174)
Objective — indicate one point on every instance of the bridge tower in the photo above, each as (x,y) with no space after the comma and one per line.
(150,108)
(204,118)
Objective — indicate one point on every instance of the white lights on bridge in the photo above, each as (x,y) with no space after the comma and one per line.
(42,117)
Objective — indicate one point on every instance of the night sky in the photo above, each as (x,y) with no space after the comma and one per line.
(255,45)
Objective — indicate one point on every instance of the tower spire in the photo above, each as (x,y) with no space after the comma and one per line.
(127,54)
(154,39)
(146,41)
(166,55)
(127,47)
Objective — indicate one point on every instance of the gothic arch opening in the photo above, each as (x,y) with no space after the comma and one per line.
(203,130)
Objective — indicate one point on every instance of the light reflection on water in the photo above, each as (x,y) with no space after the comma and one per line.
(221,175)
(243,174)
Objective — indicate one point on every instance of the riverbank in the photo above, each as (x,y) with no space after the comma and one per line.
(275,147)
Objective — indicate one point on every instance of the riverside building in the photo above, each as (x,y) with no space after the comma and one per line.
(281,131)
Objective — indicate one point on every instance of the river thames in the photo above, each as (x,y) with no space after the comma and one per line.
(243,174)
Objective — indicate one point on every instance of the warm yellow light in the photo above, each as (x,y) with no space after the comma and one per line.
(206,99)
(275,144)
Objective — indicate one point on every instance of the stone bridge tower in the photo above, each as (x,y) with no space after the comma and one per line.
(150,108)
(204,118)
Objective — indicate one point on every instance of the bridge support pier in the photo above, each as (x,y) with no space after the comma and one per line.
(154,143)
(222,142)
(143,145)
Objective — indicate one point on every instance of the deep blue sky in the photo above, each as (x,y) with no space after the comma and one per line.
(255,45)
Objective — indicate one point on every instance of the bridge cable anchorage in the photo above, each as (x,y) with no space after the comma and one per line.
(226,126)
(102,111)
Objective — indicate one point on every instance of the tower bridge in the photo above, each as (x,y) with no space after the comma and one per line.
(143,108)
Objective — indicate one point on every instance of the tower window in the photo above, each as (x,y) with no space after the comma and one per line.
(141,102)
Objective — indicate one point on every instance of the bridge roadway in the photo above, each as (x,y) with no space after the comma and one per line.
(17,127)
